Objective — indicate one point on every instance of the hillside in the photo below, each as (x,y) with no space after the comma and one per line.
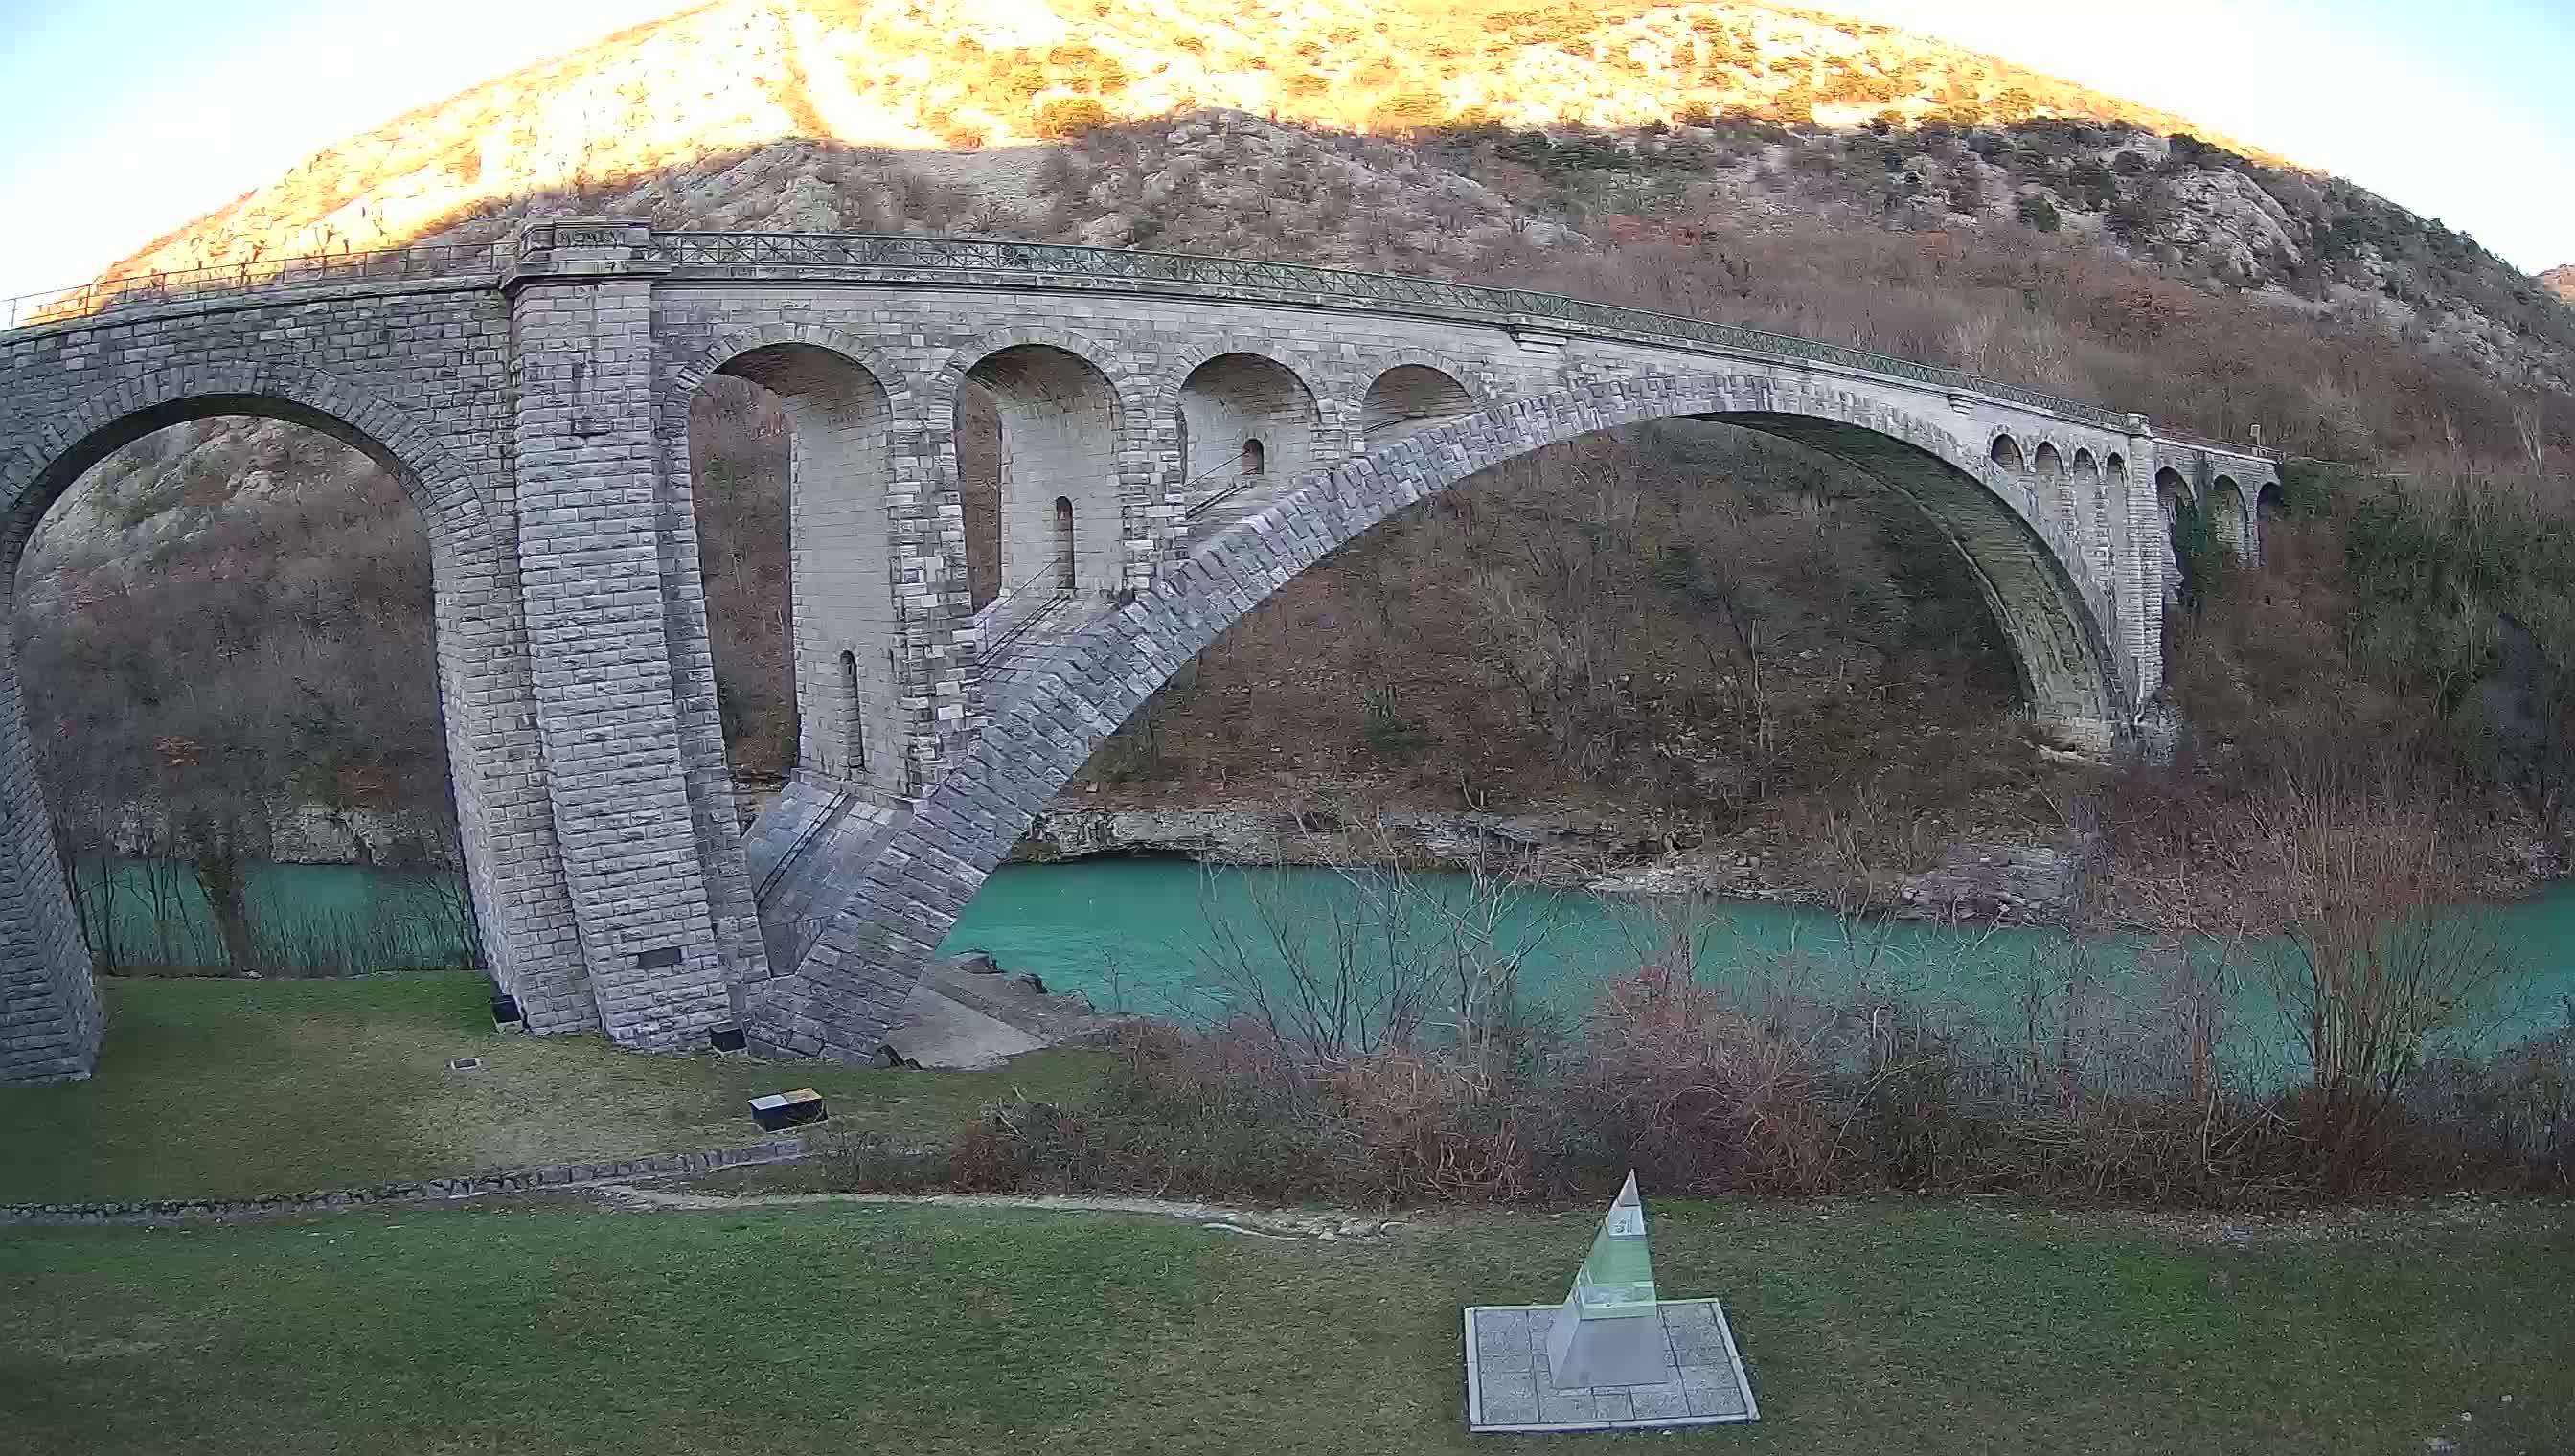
(966,77)
(1694,629)
(708,119)
(2560,281)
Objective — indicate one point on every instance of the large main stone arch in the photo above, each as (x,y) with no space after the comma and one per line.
(502,811)
(846,994)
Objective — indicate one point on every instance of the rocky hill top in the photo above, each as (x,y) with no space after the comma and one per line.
(960,76)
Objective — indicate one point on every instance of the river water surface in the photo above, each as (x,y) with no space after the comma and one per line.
(1173,937)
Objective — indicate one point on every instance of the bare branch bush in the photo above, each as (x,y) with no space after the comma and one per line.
(2380,967)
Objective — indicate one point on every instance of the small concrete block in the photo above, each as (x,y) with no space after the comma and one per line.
(1510,1398)
(1566,1407)
(1692,1314)
(1712,1393)
(1652,1402)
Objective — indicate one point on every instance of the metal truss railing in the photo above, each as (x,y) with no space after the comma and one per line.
(2212,443)
(1229,482)
(190,284)
(1020,611)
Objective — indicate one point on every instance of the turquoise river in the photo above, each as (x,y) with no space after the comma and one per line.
(1173,937)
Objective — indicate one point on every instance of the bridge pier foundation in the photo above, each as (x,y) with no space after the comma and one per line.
(50,1017)
(590,545)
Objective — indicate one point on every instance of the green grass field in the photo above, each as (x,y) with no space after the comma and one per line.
(233,1089)
(847,1328)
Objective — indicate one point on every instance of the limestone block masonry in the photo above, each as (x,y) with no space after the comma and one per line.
(1178,438)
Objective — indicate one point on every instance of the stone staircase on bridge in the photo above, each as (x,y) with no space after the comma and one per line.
(804,850)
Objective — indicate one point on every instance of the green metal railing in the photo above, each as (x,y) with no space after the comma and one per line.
(192,285)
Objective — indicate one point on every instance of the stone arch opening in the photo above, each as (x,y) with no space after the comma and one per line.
(1044,728)
(2270,507)
(2228,516)
(2005,452)
(791,463)
(2092,527)
(1243,416)
(332,691)
(1067,569)
(854,699)
(2180,513)
(2050,466)
(1407,399)
(1055,426)
(2115,491)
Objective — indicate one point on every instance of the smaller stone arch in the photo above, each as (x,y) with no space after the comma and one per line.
(2270,504)
(1409,396)
(2057,487)
(2092,506)
(2230,516)
(853,697)
(2115,524)
(1241,413)
(1067,566)
(688,375)
(842,603)
(2005,452)
(2177,505)
(1061,427)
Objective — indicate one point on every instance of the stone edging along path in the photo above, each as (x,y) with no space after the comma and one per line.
(540,1179)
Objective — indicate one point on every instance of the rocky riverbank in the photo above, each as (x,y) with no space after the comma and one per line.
(2002,879)
(302,834)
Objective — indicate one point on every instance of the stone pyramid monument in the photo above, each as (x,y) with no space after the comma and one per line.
(1606,1332)
(1614,1355)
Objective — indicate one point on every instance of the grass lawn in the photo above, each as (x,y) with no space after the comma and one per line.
(1884,1329)
(231,1089)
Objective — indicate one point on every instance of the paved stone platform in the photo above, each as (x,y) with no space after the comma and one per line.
(1508,1388)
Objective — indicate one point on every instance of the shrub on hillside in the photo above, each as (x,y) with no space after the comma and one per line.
(1063,117)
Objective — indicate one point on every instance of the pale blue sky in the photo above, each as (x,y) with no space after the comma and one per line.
(120,121)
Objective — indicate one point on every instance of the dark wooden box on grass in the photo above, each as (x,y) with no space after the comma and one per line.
(781,1110)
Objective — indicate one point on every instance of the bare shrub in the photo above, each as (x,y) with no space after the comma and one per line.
(2379,968)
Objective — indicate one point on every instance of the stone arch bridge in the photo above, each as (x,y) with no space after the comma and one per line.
(1160,443)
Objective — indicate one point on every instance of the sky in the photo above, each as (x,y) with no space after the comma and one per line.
(122,118)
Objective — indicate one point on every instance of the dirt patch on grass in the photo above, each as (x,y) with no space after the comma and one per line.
(1326,1225)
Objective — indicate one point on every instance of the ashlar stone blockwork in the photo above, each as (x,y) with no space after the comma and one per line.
(1172,452)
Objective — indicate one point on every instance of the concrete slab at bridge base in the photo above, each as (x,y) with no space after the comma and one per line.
(1509,1388)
